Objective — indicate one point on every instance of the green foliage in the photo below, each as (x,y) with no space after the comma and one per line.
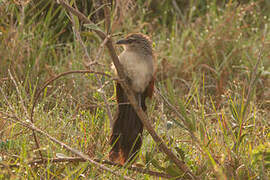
(206,54)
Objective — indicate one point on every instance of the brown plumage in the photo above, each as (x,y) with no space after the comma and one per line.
(138,63)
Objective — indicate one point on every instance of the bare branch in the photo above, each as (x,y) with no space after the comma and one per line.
(81,16)
(74,151)
(79,159)
(162,146)
(107,17)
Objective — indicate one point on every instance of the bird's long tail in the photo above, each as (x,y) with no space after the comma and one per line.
(126,138)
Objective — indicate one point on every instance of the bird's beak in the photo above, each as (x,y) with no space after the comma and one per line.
(122,41)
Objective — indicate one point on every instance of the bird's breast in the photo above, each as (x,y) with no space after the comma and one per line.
(139,69)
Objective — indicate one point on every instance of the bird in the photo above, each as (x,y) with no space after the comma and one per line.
(138,62)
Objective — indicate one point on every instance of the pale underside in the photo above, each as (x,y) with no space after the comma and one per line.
(138,68)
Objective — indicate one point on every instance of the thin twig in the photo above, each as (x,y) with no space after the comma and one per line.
(194,138)
(26,112)
(19,93)
(6,99)
(57,77)
(107,16)
(79,159)
(105,99)
(4,79)
(74,151)
(81,16)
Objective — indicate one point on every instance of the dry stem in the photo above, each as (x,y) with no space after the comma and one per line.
(74,151)
(130,94)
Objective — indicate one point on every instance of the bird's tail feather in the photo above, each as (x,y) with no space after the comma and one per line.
(126,138)
(126,135)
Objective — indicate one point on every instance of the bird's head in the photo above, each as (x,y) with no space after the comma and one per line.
(137,42)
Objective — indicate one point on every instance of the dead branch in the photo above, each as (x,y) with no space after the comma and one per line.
(79,159)
(180,164)
(74,151)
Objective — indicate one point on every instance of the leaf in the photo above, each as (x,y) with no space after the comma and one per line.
(266,156)
(60,155)
(92,27)
(173,170)
(241,138)
(180,152)
(148,157)
(190,123)
(155,163)
(267,165)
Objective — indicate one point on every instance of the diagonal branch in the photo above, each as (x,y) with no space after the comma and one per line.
(74,151)
(79,159)
(162,146)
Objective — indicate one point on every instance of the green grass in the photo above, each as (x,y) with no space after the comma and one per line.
(206,52)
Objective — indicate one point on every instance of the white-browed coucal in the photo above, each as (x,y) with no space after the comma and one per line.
(137,60)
